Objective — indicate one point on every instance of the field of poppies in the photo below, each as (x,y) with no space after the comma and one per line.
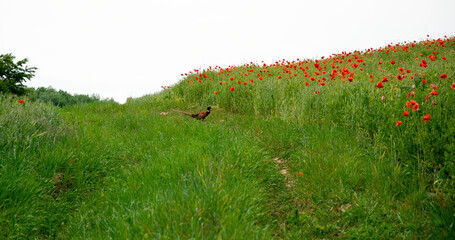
(352,145)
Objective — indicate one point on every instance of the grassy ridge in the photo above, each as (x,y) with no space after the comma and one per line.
(296,150)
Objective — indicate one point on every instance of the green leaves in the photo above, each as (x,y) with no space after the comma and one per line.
(12,75)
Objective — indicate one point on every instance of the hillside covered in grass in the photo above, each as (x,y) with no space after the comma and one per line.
(352,145)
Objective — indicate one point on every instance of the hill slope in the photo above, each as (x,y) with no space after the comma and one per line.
(354,145)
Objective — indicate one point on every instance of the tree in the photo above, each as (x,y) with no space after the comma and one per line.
(12,75)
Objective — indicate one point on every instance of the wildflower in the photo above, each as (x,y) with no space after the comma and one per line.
(398,123)
(301,173)
(216,93)
(434,93)
(444,58)
(350,79)
(408,105)
(316,92)
(426,118)
(232,78)
(251,80)
(245,83)
(232,89)
(383,98)
(322,83)
(392,62)
(379,85)
(424,81)
(434,86)
(453,86)
(415,107)
(411,93)
(405,113)
(21,101)
(384,79)
(400,77)
(443,75)
(260,78)
(221,83)
(308,84)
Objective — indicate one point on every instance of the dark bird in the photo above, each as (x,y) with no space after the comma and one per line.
(199,116)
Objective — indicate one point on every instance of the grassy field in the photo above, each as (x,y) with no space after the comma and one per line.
(353,145)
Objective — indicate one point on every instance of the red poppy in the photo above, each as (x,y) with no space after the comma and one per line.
(350,79)
(260,78)
(322,83)
(308,84)
(400,77)
(398,123)
(232,78)
(415,107)
(392,62)
(216,93)
(245,83)
(301,173)
(453,86)
(316,92)
(443,75)
(444,58)
(434,93)
(232,89)
(408,105)
(405,113)
(424,81)
(384,79)
(21,101)
(426,118)
(379,85)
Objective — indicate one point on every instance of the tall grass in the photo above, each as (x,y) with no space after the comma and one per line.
(141,171)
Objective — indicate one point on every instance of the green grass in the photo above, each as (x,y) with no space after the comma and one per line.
(104,170)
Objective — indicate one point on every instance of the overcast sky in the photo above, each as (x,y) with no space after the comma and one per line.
(121,49)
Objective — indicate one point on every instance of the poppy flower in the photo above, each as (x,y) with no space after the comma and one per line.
(426,118)
(434,93)
(260,78)
(398,123)
(424,81)
(316,92)
(453,86)
(443,75)
(415,107)
(308,84)
(379,85)
(21,101)
(322,83)
(400,77)
(301,173)
(408,105)
(232,89)
(232,78)
(392,62)
(411,93)
(405,113)
(384,79)
(350,79)
(216,93)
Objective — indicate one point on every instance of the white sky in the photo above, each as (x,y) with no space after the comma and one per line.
(123,49)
